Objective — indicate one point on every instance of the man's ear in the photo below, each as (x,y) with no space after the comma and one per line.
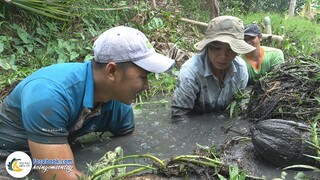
(111,70)
(260,37)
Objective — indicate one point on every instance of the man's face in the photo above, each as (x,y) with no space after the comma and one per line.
(253,40)
(133,81)
(220,55)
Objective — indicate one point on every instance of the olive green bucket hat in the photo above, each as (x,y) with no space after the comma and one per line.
(227,29)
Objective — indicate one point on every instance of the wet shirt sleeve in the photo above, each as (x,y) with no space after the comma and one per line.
(45,111)
(185,93)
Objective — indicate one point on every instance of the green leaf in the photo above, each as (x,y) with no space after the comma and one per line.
(221,177)
(93,32)
(243,175)
(12,60)
(24,36)
(301,176)
(5,38)
(233,172)
(29,47)
(81,35)
(155,23)
(88,57)
(283,175)
(1,47)
(73,56)
(40,41)
(52,26)
(4,64)
(232,106)
(20,49)
(17,41)
(62,58)
(43,32)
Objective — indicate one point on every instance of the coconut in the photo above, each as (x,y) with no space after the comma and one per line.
(283,142)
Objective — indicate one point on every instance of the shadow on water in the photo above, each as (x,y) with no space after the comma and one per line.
(155,134)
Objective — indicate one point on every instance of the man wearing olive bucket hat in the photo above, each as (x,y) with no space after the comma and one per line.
(209,80)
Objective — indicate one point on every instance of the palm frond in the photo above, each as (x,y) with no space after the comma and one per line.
(57,9)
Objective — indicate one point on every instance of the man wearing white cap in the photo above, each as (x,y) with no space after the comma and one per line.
(59,103)
(208,81)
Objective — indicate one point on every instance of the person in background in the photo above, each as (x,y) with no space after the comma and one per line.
(61,102)
(261,60)
(208,81)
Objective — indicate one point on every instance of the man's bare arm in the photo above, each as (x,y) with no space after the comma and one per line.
(54,151)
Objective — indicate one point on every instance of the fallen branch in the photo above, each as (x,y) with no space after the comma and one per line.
(191,21)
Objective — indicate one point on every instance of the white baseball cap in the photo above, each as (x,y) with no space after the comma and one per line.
(125,44)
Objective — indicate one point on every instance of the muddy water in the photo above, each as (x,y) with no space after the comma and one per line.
(155,134)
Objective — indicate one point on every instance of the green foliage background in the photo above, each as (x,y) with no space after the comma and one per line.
(29,40)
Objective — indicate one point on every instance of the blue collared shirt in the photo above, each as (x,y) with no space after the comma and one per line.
(47,105)
(198,90)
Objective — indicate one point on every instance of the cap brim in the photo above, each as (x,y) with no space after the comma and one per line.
(251,34)
(237,45)
(156,63)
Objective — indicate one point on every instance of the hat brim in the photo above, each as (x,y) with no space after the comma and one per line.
(156,63)
(237,45)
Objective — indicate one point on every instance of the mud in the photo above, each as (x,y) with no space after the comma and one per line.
(157,135)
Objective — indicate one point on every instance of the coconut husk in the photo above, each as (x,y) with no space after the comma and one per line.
(283,142)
